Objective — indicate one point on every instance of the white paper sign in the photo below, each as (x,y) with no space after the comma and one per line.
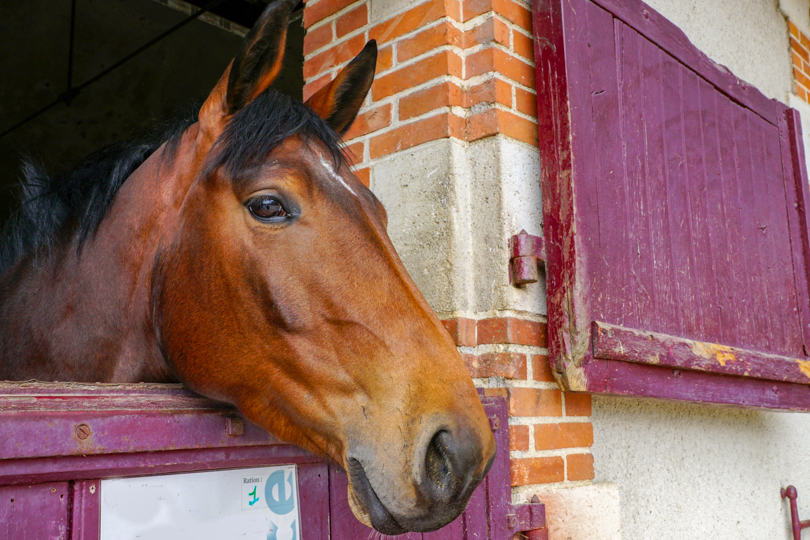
(243,504)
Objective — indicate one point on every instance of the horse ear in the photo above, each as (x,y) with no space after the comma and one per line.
(259,60)
(256,64)
(339,101)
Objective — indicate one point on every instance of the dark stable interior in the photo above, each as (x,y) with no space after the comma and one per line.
(57,109)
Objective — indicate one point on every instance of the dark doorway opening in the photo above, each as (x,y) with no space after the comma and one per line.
(170,75)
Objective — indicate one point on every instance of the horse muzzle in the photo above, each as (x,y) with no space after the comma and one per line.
(445,472)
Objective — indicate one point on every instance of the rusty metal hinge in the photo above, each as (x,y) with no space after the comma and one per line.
(526,252)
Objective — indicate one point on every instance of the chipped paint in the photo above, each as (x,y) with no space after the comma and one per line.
(804,366)
(709,351)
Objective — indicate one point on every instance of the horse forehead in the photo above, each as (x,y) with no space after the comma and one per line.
(332,174)
(324,169)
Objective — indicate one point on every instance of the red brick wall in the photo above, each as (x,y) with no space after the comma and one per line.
(550,431)
(446,68)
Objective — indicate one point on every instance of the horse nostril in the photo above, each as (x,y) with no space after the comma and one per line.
(440,480)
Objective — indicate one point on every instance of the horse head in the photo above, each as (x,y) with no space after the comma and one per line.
(276,288)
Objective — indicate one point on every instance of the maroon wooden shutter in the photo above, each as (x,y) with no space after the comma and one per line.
(674,215)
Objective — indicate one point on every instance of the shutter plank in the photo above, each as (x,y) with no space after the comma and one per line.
(608,171)
(640,249)
(699,245)
(664,280)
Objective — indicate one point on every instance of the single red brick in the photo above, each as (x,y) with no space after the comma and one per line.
(514,12)
(429,99)
(369,121)
(427,40)
(804,41)
(563,435)
(577,404)
(483,124)
(504,364)
(406,22)
(462,331)
(364,175)
(351,21)
(518,438)
(485,33)
(526,102)
(355,152)
(801,51)
(496,121)
(514,68)
(801,78)
(512,330)
(321,9)
(523,45)
(428,129)
(442,63)
(491,91)
(474,8)
(509,9)
(452,8)
(545,470)
(534,402)
(334,56)
(385,58)
(526,131)
(479,63)
(580,466)
(793,30)
(541,369)
(318,38)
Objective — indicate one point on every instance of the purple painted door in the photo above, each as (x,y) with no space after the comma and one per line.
(57,442)
(674,215)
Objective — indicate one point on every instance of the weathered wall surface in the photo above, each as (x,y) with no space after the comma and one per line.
(694,471)
(747,36)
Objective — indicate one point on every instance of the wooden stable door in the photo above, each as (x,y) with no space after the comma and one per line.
(80,459)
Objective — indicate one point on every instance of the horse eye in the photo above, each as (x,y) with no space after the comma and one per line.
(266,208)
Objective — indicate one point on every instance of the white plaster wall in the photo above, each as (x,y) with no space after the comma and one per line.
(688,471)
(452,208)
(747,36)
(583,512)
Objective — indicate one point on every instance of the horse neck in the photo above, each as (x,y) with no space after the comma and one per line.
(85,315)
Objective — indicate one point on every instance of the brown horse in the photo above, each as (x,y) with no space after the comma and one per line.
(242,257)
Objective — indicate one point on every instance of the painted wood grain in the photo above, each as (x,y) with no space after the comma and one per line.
(612,342)
(673,197)
(34,512)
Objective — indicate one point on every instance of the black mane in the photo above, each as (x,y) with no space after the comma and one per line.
(71,205)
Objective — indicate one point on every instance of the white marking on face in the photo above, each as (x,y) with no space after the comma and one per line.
(336,176)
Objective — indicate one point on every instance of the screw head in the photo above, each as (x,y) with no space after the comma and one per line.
(234,427)
(83,431)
